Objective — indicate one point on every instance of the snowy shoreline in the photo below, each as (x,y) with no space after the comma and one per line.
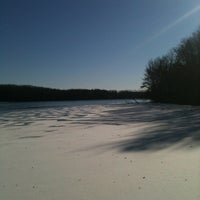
(101,151)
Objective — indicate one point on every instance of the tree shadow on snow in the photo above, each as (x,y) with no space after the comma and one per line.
(167,125)
(172,125)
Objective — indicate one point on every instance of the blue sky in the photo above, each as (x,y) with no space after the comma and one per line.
(89,43)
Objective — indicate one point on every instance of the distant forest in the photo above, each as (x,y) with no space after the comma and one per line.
(14,93)
(175,77)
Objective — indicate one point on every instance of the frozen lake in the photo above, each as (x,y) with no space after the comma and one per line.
(118,149)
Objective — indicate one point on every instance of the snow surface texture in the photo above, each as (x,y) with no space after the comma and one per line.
(99,151)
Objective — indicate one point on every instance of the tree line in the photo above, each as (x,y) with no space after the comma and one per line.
(13,93)
(175,77)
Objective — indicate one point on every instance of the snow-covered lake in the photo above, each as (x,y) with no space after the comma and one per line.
(119,149)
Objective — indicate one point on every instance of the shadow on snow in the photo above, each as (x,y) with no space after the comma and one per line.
(167,125)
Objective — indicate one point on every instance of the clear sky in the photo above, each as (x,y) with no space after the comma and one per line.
(102,44)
